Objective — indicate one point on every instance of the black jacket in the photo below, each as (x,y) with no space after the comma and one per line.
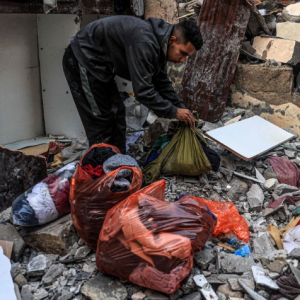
(134,50)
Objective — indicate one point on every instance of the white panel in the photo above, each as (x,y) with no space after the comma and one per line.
(21,115)
(60,113)
(250,137)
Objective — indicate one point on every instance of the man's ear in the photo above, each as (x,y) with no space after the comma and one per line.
(172,40)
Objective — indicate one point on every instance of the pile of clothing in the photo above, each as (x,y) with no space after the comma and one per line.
(153,240)
(102,179)
(46,201)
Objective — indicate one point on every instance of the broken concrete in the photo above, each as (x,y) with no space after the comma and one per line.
(289,31)
(231,263)
(53,238)
(38,265)
(271,184)
(291,13)
(235,286)
(203,258)
(282,50)
(104,287)
(227,291)
(262,244)
(255,197)
(18,173)
(9,233)
(260,278)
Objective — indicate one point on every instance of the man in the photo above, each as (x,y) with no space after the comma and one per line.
(136,50)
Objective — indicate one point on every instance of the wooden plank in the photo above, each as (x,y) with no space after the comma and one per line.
(7,247)
(209,73)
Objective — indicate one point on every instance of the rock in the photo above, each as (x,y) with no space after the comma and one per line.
(262,244)
(255,197)
(66,296)
(252,79)
(277,265)
(154,295)
(228,162)
(156,129)
(188,283)
(9,233)
(40,294)
(295,253)
(5,215)
(104,287)
(282,189)
(292,13)
(290,154)
(203,258)
(17,292)
(269,173)
(138,296)
(264,294)
(26,292)
(82,251)
(284,51)
(235,286)
(227,291)
(237,189)
(20,280)
(18,173)
(53,272)
(38,265)
(88,268)
(261,279)
(238,111)
(193,296)
(53,238)
(211,126)
(231,263)
(271,184)
(259,176)
(221,296)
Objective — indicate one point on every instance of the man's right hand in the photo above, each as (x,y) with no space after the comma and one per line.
(185,116)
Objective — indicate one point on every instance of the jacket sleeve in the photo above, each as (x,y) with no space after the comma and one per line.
(165,89)
(141,58)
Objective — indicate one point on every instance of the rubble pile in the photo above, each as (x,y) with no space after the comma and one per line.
(58,266)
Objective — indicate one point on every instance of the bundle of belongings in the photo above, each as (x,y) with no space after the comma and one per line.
(151,242)
(103,178)
(183,150)
(46,201)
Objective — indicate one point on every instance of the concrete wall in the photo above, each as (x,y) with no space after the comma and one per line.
(21,115)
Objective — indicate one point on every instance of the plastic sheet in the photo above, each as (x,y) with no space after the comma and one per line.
(151,242)
(229,220)
(45,201)
(91,199)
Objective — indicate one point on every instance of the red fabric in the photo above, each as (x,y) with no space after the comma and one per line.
(59,191)
(98,171)
(151,242)
(286,170)
(285,199)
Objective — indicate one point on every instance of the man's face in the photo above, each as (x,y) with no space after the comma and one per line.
(177,53)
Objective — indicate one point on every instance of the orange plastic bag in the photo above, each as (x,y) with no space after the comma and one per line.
(229,220)
(151,242)
(91,199)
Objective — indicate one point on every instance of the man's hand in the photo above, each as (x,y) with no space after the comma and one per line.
(185,116)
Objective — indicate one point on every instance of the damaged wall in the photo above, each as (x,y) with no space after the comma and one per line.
(20,99)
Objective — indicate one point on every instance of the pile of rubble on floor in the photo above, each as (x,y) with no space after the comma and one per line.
(70,272)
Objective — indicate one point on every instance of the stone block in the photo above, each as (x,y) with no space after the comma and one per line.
(18,173)
(104,287)
(53,238)
(292,13)
(281,50)
(262,244)
(271,183)
(231,263)
(9,233)
(255,197)
(264,83)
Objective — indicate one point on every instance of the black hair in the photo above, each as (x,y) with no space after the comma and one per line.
(189,32)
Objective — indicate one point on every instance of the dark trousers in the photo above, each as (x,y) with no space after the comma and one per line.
(99,104)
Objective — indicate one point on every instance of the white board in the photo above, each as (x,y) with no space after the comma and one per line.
(60,113)
(249,138)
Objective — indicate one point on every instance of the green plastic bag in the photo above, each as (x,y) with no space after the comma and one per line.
(183,155)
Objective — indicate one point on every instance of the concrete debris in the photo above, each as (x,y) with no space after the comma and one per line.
(204,258)
(262,244)
(227,291)
(193,296)
(277,265)
(271,184)
(38,265)
(235,286)
(231,263)
(255,197)
(260,278)
(153,295)
(282,189)
(26,292)
(251,293)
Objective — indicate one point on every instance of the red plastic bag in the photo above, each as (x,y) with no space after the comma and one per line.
(151,242)
(91,199)
(229,220)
